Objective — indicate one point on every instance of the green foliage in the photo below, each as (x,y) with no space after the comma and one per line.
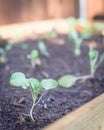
(99,26)
(3,52)
(86,34)
(49,83)
(93,55)
(8,47)
(18,79)
(24,46)
(33,56)
(73,35)
(71,21)
(43,49)
(77,42)
(52,34)
(67,80)
(88,28)
(95,61)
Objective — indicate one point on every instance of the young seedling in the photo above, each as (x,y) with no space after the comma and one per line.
(77,42)
(71,22)
(88,29)
(33,56)
(18,79)
(24,46)
(43,49)
(3,52)
(95,61)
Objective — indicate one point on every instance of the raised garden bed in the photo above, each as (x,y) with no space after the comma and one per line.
(56,102)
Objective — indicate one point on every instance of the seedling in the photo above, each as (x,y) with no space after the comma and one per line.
(18,79)
(71,22)
(3,52)
(87,31)
(50,32)
(77,42)
(33,56)
(95,61)
(43,49)
(24,46)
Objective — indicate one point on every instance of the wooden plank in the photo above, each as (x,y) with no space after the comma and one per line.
(54,9)
(13,11)
(94,8)
(88,117)
(70,8)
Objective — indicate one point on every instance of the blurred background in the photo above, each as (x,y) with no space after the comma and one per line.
(18,11)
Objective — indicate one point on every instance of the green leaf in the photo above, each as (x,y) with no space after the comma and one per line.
(18,79)
(34,84)
(24,46)
(33,55)
(92,53)
(67,80)
(8,47)
(73,34)
(71,21)
(49,83)
(43,48)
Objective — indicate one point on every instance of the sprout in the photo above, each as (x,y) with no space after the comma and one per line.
(33,56)
(77,42)
(94,62)
(24,46)
(43,49)
(3,52)
(18,79)
(93,55)
(70,80)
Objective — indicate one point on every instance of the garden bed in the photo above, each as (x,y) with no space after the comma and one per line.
(56,102)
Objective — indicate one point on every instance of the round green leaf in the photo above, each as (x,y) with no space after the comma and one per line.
(49,83)
(67,80)
(33,55)
(18,79)
(34,83)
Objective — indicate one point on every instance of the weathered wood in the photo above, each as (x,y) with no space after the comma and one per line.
(94,8)
(88,117)
(13,11)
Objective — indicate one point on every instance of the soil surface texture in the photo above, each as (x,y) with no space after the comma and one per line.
(15,103)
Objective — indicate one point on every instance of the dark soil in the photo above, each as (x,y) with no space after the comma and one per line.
(57,102)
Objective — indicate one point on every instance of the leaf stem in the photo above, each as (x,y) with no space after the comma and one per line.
(85,77)
(33,105)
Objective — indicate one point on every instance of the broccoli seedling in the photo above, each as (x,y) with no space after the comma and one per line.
(88,29)
(18,79)
(3,52)
(33,56)
(95,61)
(77,42)
(24,46)
(43,49)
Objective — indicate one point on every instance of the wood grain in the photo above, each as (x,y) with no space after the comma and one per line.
(88,117)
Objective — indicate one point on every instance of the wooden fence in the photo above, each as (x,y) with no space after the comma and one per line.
(14,11)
